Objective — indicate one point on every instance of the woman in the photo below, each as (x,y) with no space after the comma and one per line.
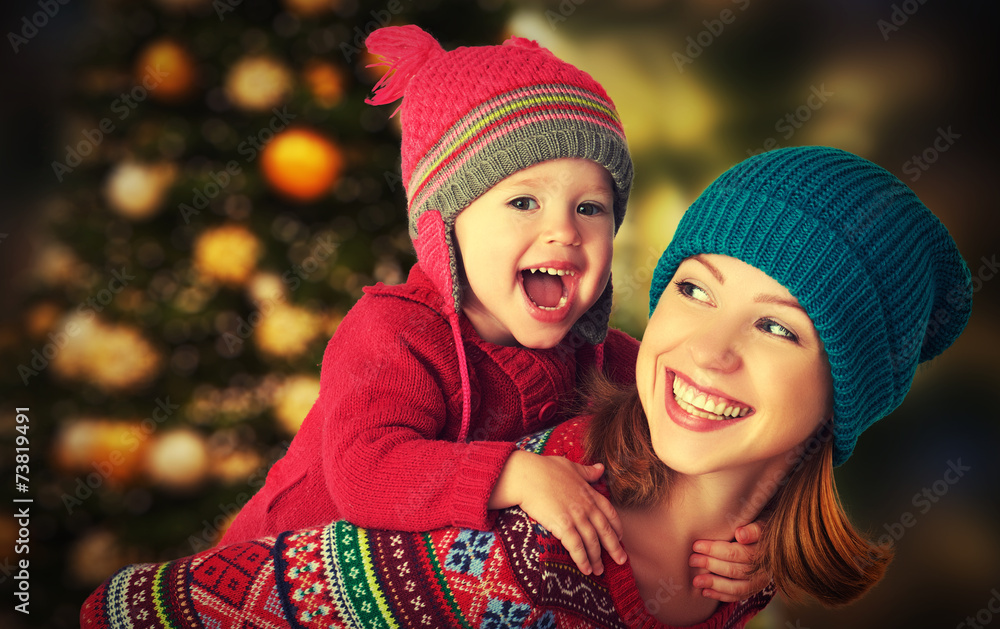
(788,314)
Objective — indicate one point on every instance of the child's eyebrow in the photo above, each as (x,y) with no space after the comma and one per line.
(529,182)
(549,183)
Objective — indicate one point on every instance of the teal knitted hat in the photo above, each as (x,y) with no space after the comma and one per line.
(877,272)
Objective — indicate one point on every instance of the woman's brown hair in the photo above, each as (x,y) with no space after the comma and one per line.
(809,545)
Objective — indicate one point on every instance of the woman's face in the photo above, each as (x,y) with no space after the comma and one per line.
(731,372)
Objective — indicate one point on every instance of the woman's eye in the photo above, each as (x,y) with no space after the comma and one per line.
(773,327)
(524,203)
(692,291)
(589,209)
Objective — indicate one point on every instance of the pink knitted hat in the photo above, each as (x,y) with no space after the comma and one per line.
(475,115)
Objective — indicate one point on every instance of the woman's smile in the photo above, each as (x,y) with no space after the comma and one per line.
(705,403)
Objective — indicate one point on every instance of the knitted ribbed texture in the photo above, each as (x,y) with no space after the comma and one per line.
(476,115)
(877,272)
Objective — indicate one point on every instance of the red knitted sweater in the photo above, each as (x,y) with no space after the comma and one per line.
(378,448)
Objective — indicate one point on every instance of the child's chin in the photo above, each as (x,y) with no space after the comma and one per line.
(544,340)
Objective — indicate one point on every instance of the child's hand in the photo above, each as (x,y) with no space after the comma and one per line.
(557,494)
(728,564)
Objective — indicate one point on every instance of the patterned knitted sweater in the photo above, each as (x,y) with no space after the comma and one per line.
(515,575)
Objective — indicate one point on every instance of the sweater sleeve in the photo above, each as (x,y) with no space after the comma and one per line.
(391,412)
(620,353)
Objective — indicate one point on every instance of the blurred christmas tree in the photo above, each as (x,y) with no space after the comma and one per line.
(223,196)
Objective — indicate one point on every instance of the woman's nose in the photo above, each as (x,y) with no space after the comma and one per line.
(716,349)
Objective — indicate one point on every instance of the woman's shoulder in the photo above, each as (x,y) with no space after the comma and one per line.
(565,439)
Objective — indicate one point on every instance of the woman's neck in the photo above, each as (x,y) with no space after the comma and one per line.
(659,539)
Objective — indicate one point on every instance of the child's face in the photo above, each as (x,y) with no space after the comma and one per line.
(557,215)
(725,333)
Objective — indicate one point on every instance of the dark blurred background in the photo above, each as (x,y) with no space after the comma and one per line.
(194,193)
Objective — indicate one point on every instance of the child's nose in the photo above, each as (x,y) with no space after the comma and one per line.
(561,228)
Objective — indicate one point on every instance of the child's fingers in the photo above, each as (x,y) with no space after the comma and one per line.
(610,516)
(581,518)
(609,528)
(590,473)
(579,551)
(750,534)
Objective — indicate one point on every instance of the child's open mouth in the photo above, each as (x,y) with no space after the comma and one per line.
(547,288)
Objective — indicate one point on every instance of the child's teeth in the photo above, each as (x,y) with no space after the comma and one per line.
(562,302)
(545,269)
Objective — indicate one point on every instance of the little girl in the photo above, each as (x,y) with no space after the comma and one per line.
(517,175)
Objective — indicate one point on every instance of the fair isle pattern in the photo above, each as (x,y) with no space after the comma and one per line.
(535,442)
(117,593)
(409,585)
(228,588)
(540,105)
(300,557)
(564,586)
(547,572)
(233,588)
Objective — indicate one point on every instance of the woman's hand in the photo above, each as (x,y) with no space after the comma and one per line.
(728,564)
(557,494)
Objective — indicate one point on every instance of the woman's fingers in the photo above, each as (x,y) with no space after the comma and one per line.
(721,567)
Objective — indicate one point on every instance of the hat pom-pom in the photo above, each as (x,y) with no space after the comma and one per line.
(404,49)
(521,42)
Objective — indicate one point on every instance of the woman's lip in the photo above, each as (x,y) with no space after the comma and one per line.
(706,390)
(686,420)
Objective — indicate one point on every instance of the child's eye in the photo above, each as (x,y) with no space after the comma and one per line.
(589,209)
(770,326)
(692,291)
(523,203)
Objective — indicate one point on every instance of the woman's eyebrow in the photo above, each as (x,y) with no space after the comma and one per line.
(716,272)
(763,298)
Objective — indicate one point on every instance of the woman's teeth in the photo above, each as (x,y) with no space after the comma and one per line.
(707,407)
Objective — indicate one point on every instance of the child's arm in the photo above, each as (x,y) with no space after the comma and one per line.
(389,456)
(557,494)
(728,564)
